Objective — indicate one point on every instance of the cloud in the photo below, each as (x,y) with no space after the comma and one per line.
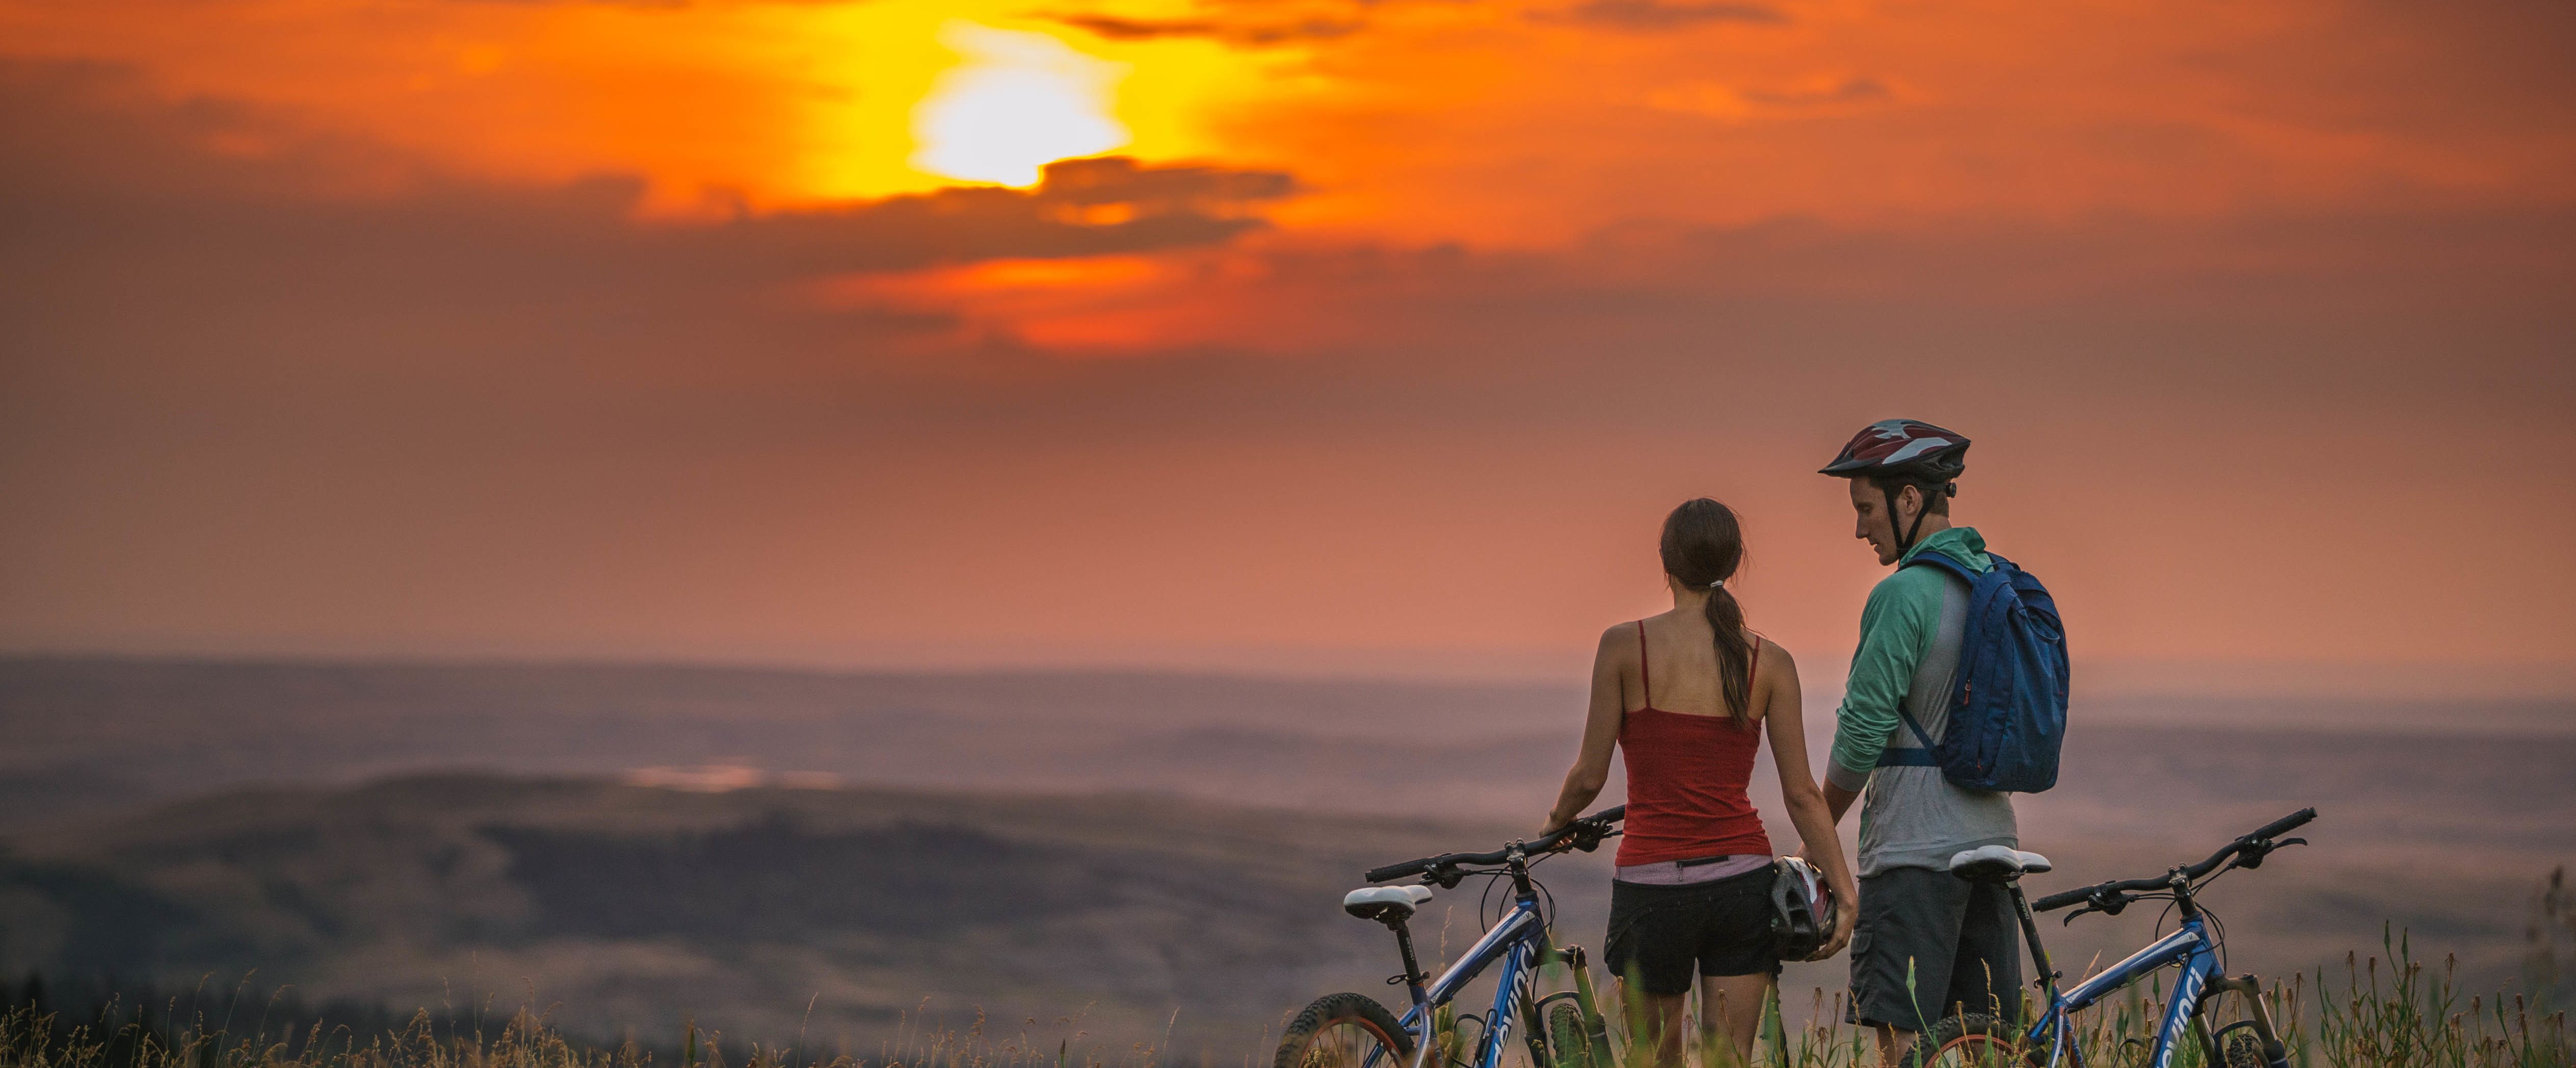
(266,390)
(85,135)
(1649,15)
(1241,34)
(1809,99)
(649,4)
(1847,91)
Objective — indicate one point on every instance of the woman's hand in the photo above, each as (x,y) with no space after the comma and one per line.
(1846,913)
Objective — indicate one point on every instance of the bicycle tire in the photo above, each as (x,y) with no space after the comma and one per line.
(1971,1040)
(2240,1047)
(1575,1044)
(1339,1031)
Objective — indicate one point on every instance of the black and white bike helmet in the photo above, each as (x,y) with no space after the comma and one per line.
(1802,909)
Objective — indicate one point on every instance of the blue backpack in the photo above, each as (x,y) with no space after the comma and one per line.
(2008,707)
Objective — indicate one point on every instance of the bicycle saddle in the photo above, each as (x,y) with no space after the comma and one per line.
(1385,904)
(1996,864)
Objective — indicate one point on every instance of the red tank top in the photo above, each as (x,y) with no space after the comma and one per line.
(1686,779)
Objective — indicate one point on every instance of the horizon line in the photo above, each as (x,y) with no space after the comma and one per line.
(2536,682)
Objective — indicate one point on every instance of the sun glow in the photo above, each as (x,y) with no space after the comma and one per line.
(1019,102)
(715,108)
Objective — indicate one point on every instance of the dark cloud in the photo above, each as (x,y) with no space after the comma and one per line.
(1848,91)
(1241,34)
(655,5)
(1643,15)
(1160,190)
(84,137)
(1148,209)
(650,4)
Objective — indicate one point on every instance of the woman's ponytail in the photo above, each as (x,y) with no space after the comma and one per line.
(1703,547)
(1734,654)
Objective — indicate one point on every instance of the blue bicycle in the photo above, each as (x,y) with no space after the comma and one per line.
(1354,1031)
(2198,946)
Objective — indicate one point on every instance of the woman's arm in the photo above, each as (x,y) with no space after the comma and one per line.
(1591,769)
(1806,803)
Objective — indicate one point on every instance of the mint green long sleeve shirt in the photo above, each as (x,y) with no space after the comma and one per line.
(1897,628)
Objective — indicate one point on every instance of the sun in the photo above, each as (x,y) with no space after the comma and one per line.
(1020,101)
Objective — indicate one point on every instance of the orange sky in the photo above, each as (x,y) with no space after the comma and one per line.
(1378,338)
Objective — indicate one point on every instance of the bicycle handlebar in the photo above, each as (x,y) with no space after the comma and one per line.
(2291,822)
(1593,827)
(2258,842)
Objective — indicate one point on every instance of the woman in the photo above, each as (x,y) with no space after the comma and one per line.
(1686,697)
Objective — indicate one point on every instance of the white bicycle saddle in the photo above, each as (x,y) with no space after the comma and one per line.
(1385,904)
(1996,863)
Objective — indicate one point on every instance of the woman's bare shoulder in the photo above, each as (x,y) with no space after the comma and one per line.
(1618,641)
(1775,657)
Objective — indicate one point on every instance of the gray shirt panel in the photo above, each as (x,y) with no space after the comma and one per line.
(1915,817)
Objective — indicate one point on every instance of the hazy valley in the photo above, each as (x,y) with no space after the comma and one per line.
(638,846)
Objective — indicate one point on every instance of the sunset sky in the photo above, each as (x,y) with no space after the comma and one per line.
(1362,337)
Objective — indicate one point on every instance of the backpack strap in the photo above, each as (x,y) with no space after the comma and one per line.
(1937,558)
(1893,757)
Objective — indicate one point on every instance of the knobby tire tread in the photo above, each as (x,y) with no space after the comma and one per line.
(1973,1029)
(1570,1040)
(1324,1012)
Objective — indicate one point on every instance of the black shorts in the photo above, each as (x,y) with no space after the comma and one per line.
(1660,934)
(1960,942)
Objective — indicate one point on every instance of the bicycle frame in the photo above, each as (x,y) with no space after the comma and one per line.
(1520,941)
(2188,946)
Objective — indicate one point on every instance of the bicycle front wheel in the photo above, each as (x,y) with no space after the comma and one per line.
(1344,1031)
(1576,1044)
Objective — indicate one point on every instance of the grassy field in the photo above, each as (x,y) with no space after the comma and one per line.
(2383,1012)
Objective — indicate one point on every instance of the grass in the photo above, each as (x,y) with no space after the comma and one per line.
(121,1034)
(2386,1011)
(2389,1012)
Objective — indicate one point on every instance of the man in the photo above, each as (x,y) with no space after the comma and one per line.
(1928,944)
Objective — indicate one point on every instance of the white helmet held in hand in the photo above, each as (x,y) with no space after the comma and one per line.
(1802,909)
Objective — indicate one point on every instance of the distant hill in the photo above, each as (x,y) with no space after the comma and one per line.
(91,734)
(633,907)
(87,734)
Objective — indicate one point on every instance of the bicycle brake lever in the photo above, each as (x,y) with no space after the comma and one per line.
(2253,857)
(2108,904)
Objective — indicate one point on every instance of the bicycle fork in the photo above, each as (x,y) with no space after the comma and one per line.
(2275,1052)
(1596,1029)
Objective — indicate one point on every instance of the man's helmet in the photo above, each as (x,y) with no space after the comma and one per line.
(1802,909)
(1901,451)
(1907,449)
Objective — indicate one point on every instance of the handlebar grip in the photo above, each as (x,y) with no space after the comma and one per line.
(2285,824)
(2054,902)
(1397,871)
(1612,814)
